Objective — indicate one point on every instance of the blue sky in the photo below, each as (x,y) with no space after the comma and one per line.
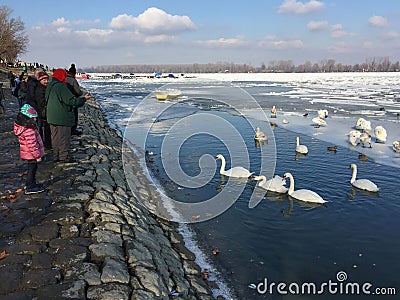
(97,32)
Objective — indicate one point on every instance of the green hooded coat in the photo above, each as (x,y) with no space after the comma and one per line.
(60,103)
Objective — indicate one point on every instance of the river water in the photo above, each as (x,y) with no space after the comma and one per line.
(266,239)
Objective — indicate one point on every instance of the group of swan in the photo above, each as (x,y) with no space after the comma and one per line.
(362,134)
(277,183)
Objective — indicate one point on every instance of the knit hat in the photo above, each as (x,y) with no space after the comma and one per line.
(42,75)
(29,111)
(72,69)
(60,75)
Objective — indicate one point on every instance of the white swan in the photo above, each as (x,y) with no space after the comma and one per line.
(260,136)
(362,184)
(380,134)
(323,113)
(303,194)
(365,138)
(301,148)
(354,136)
(273,112)
(319,121)
(396,146)
(275,184)
(234,172)
(363,124)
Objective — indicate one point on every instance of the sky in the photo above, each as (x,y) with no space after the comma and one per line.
(254,32)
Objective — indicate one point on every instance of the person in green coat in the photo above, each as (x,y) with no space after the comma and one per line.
(60,115)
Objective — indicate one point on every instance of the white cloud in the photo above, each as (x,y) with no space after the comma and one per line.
(340,47)
(153,21)
(336,27)
(288,44)
(390,35)
(60,22)
(378,21)
(225,42)
(368,45)
(338,32)
(271,43)
(317,25)
(297,7)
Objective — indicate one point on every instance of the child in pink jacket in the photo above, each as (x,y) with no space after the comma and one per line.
(31,145)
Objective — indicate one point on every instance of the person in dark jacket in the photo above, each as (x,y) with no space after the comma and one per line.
(75,89)
(40,91)
(30,98)
(60,115)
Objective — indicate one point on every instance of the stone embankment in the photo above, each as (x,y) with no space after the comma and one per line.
(89,236)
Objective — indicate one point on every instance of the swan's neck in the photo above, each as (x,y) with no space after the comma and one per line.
(263,180)
(354,176)
(291,186)
(223,163)
(297,141)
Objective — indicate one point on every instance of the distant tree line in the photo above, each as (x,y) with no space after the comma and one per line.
(277,66)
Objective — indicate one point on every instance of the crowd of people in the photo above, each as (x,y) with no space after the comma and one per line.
(47,117)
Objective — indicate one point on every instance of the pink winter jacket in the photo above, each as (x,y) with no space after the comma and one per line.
(30,142)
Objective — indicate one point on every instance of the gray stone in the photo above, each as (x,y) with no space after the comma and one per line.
(65,290)
(113,227)
(39,277)
(69,231)
(85,271)
(73,255)
(66,243)
(144,295)
(103,196)
(199,285)
(191,268)
(81,197)
(105,236)
(112,218)
(151,281)
(10,277)
(13,259)
(115,271)
(19,295)
(100,251)
(65,217)
(109,291)
(138,255)
(44,233)
(41,261)
(102,207)
(26,247)
(107,186)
